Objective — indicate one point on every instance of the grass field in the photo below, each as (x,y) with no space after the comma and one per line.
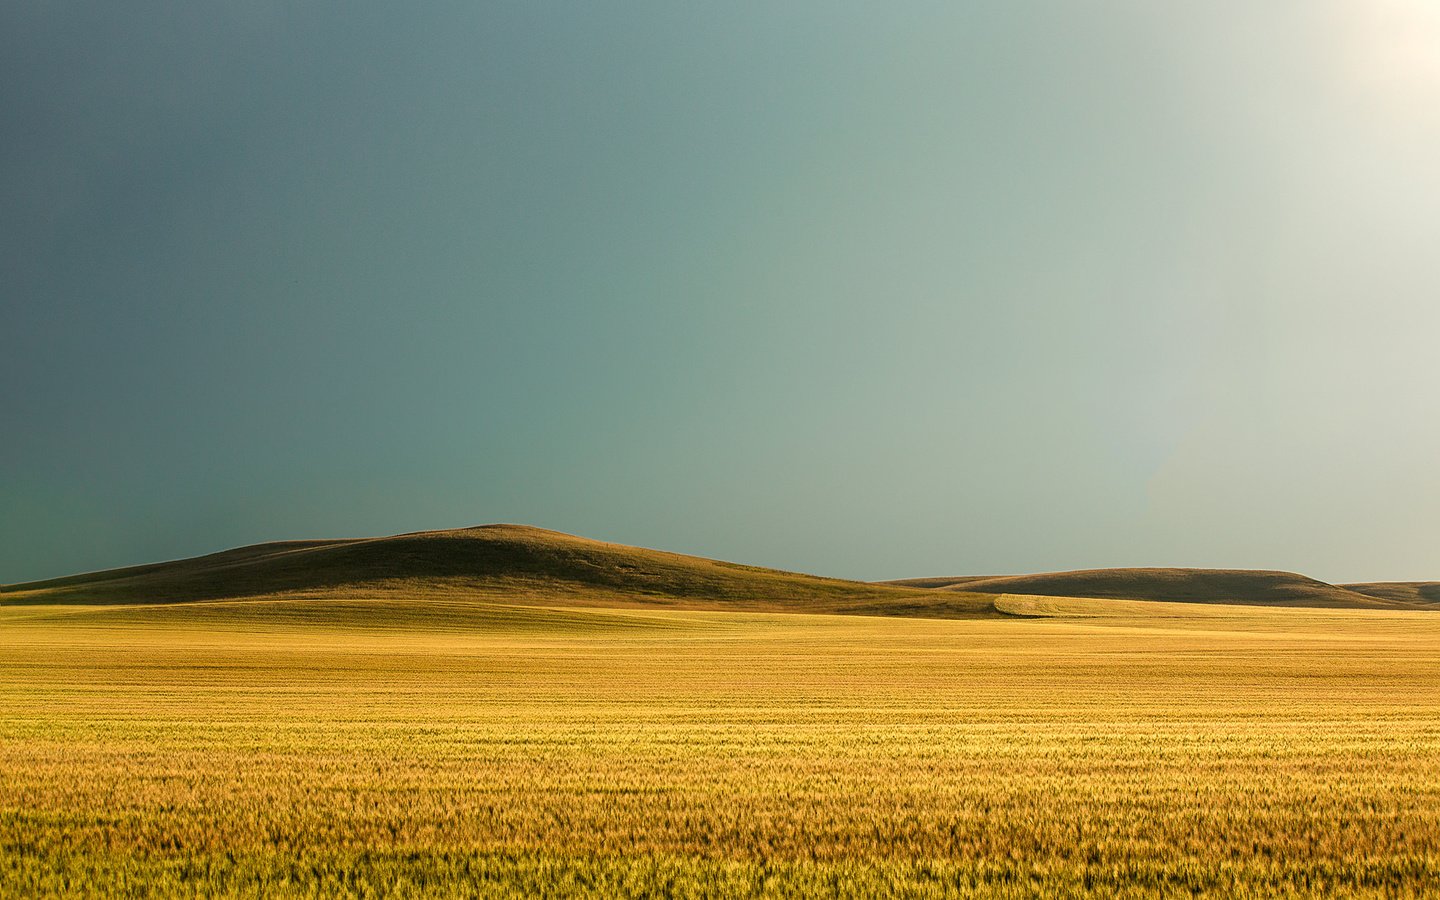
(1074,748)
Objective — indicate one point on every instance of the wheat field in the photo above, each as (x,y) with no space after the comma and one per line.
(382,749)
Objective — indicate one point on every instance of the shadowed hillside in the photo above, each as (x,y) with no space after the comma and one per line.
(941,582)
(509,563)
(1418,593)
(1178,585)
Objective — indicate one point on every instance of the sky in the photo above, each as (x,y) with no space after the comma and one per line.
(867,290)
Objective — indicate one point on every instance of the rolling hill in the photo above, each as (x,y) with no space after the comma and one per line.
(1251,587)
(1418,593)
(518,564)
(490,563)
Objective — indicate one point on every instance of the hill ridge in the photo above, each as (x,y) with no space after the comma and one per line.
(507,562)
(495,562)
(1262,587)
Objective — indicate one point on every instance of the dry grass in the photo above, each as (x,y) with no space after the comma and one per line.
(1225,586)
(249,749)
(1414,593)
(504,564)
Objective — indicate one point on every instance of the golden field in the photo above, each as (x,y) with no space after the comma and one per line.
(1073,748)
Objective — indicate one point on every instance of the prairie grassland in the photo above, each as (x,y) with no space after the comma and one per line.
(1095,748)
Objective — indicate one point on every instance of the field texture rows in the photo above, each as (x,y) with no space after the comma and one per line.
(1110,750)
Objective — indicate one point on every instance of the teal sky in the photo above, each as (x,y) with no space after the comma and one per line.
(871,290)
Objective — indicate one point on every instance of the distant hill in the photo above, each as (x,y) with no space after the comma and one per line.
(1419,593)
(518,564)
(941,582)
(1245,586)
(505,563)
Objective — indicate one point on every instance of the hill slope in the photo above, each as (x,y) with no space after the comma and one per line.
(1262,588)
(507,563)
(1417,593)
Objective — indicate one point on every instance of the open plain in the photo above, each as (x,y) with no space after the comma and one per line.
(1075,363)
(453,746)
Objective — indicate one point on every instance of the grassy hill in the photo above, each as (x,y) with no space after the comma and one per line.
(440,576)
(1264,588)
(1416,593)
(499,563)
